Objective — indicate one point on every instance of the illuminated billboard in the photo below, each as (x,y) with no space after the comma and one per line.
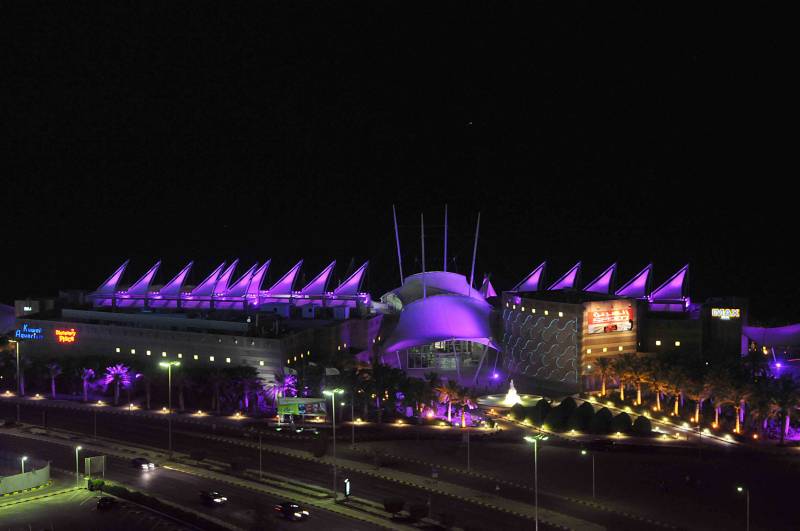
(725,313)
(609,316)
(66,336)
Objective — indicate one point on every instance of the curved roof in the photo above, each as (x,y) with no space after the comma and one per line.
(441,318)
(780,335)
(436,283)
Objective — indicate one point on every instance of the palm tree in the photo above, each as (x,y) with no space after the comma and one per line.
(54,369)
(622,367)
(786,397)
(216,379)
(676,380)
(697,388)
(469,400)
(183,382)
(86,374)
(282,386)
(657,375)
(737,392)
(448,394)
(756,364)
(637,372)
(604,369)
(148,375)
(118,375)
(434,381)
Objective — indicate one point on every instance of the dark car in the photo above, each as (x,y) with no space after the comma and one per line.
(291,511)
(212,498)
(142,463)
(105,503)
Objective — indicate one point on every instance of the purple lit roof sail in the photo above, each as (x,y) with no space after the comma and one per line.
(352,285)
(286,282)
(568,280)
(173,287)
(532,281)
(206,287)
(239,288)
(142,286)
(779,336)
(441,318)
(110,285)
(258,277)
(487,290)
(637,286)
(319,283)
(674,288)
(604,282)
(222,283)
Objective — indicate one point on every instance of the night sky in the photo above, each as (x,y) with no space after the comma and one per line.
(210,132)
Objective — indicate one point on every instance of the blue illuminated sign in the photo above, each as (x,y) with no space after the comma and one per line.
(27,332)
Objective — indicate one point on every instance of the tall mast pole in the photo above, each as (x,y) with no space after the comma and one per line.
(422,232)
(474,253)
(397,239)
(444,266)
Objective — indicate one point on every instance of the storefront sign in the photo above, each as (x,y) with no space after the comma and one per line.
(28,332)
(725,314)
(66,336)
(609,317)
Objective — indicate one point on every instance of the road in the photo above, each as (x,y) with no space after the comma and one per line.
(246,508)
(137,430)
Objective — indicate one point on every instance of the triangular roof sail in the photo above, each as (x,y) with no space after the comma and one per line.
(674,288)
(222,283)
(352,285)
(110,284)
(637,286)
(604,282)
(141,286)
(206,287)
(239,288)
(284,285)
(173,287)
(258,277)
(532,281)
(487,290)
(568,279)
(320,282)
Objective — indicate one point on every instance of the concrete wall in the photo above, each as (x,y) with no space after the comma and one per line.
(28,480)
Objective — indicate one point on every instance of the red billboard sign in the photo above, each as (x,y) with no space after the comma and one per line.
(66,336)
(609,317)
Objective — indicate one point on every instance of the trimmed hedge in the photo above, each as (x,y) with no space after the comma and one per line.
(601,423)
(642,426)
(581,418)
(621,423)
(517,412)
(540,411)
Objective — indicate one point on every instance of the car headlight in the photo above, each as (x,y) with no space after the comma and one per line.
(144,467)
(151,465)
(305,513)
(218,500)
(298,515)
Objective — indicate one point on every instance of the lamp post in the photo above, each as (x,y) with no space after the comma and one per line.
(535,440)
(747,504)
(22,462)
(77,471)
(16,351)
(353,421)
(594,491)
(169,365)
(332,393)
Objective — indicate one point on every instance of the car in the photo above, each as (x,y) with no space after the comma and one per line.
(212,498)
(291,511)
(141,462)
(105,503)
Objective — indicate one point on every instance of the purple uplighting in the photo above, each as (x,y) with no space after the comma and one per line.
(532,281)
(636,287)
(567,281)
(604,281)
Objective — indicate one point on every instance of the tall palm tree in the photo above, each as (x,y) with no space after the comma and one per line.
(119,376)
(786,397)
(54,369)
(183,382)
(622,368)
(217,379)
(468,399)
(697,388)
(449,394)
(604,369)
(677,379)
(86,375)
(736,393)
(283,385)
(434,381)
(637,372)
(657,375)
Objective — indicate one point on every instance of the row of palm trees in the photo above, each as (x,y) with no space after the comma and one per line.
(744,386)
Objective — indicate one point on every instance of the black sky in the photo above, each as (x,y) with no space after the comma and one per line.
(286,130)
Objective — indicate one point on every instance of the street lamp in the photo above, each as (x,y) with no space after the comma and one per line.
(535,440)
(19,387)
(747,503)
(332,393)
(22,462)
(77,471)
(594,492)
(168,365)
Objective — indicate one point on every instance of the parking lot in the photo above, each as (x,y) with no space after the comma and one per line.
(78,510)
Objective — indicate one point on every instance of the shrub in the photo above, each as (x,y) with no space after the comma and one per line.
(517,412)
(95,484)
(540,411)
(581,418)
(642,426)
(621,423)
(418,511)
(569,405)
(601,423)
(393,505)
